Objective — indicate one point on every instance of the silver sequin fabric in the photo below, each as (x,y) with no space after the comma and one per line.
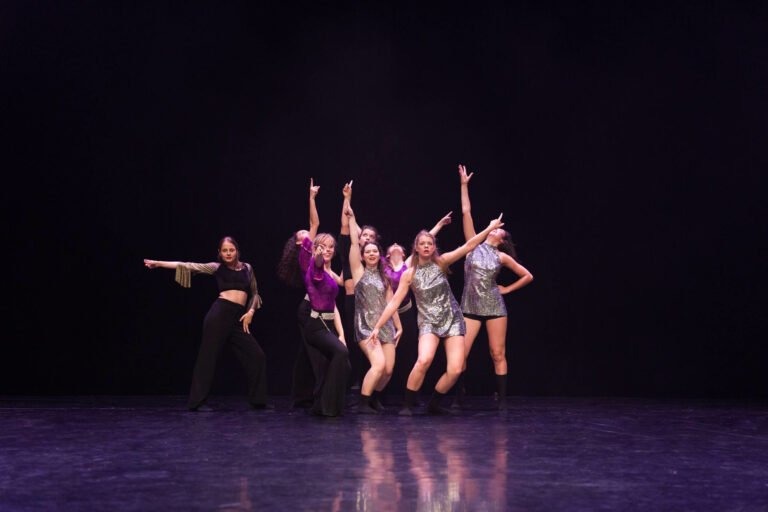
(438,310)
(481,295)
(370,301)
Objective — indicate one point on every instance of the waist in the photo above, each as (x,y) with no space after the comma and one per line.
(325,315)
(405,306)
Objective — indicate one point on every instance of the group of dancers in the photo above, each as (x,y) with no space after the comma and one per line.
(381,292)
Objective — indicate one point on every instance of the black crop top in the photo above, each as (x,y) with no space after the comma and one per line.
(226,279)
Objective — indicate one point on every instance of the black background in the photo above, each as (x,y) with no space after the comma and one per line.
(624,142)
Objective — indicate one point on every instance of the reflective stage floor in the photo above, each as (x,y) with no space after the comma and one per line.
(544,454)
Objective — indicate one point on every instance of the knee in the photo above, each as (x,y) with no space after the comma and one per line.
(422,364)
(498,356)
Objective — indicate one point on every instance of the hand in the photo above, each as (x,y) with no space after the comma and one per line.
(313,189)
(398,335)
(463,177)
(374,337)
(150,263)
(246,320)
(347,190)
(496,223)
(446,220)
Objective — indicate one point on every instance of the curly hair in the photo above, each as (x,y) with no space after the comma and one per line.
(288,270)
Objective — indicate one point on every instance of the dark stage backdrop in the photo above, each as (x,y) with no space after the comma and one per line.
(624,142)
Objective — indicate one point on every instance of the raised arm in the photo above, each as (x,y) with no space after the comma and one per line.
(347,203)
(466,206)
(448,258)
(355,259)
(442,222)
(314,218)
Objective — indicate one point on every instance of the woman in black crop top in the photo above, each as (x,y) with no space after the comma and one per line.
(228,321)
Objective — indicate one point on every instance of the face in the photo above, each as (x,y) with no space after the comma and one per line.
(371,255)
(367,235)
(228,252)
(327,247)
(497,234)
(425,246)
(395,252)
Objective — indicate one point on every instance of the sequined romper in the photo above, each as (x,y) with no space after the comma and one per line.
(438,311)
(481,295)
(370,301)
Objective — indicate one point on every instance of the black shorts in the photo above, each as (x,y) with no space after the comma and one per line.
(480,318)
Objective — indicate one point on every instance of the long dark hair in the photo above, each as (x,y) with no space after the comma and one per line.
(506,245)
(380,266)
(288,270)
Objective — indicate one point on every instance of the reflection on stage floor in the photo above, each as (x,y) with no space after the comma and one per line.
(542,454)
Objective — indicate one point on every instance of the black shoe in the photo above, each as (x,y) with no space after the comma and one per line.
(201,408)
(438,410)
(376,404)
(365,409)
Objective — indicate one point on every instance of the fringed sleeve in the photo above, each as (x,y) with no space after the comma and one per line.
(185,270)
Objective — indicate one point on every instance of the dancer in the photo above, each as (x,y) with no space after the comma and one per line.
(439,315)
(407,348)
(323,329)
(372,292)
(309,366)
(227,322)
(481,299)
(367,234)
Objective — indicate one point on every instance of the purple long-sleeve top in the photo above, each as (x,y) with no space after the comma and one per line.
(321,287)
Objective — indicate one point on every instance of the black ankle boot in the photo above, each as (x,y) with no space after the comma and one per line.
(376,401)
(434,407)
(501,386)
(364,406)
(410,400)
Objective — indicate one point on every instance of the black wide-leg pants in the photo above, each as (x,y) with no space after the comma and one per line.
(321,335)
(222,327)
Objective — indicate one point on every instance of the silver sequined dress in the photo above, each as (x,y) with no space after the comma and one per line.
(370,301)
(481,295)
(438,310)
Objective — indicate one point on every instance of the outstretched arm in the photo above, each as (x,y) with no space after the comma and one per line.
(314,218)
(524,277)
(466,206)
(448,258)
(161,264)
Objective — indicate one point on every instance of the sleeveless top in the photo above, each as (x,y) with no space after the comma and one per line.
(438,311)
(370,301)
(481,295)
(394,278)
